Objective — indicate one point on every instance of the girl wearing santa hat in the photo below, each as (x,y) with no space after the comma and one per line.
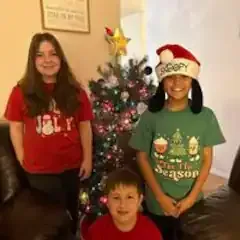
(174,140)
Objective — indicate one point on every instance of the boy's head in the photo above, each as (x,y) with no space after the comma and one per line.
(124,192)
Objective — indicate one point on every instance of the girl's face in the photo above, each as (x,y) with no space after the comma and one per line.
(47,61)
(177,87)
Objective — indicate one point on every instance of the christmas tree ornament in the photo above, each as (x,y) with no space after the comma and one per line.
(124,96)
(109,32)
(84,198)
(141,107)
(148,70)
(118,42)
(103,199)
(131,84)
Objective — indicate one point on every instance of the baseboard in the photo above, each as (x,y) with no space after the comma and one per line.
(220,173)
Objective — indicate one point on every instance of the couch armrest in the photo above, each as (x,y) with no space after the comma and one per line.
(215,218)
(31,215)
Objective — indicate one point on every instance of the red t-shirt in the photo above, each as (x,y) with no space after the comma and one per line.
(104,229)
(51,141)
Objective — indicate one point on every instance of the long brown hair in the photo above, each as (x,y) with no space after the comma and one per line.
(32,85)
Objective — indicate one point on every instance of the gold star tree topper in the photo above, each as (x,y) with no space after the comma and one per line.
(118,42)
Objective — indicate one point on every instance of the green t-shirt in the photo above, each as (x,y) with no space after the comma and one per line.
(174,142)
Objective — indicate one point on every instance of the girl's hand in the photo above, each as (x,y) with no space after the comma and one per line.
(168,205)
(185,204)
(85,169)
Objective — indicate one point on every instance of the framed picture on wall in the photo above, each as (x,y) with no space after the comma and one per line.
(65,15)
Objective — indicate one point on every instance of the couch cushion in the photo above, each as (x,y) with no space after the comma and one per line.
(31,215)
(9,176)
(215,218)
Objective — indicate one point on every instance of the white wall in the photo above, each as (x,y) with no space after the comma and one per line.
(133,26)
(133,6)
(211,29)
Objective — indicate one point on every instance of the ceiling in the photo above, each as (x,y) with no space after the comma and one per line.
(131,6)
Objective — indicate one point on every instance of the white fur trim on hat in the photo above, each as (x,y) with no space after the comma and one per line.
(166,56)
(182,66)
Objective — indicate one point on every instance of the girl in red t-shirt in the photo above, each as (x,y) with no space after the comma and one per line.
(49,117)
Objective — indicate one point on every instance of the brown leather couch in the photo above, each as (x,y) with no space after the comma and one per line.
(218,216)
(25,213)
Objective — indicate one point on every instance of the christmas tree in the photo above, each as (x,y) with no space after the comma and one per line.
(119,97)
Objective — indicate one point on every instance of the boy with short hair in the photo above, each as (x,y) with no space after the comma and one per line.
(124,221)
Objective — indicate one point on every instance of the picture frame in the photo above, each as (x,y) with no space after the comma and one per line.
(65,15)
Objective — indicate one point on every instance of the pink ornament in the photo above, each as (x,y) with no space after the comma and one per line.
(99,129)
(125,124)
(126,115)
(120,129)
(93,97)
(107,106)
(88,208)
(133,111)
(103,199)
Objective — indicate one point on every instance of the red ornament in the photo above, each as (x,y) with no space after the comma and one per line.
(108,31)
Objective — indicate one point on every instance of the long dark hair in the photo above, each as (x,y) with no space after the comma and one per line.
(32,85)
(156,103)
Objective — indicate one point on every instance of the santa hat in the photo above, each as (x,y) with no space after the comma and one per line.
(174,59)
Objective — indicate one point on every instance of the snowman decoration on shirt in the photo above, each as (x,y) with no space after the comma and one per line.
(45,125)
(48,128)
